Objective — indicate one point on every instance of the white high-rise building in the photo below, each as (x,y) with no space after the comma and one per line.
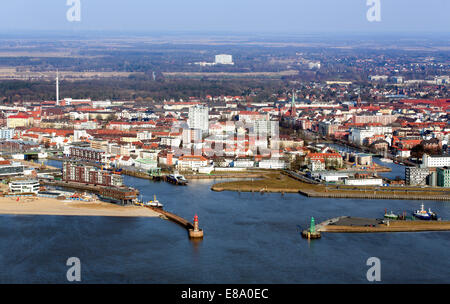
(435,161)
(224,59)
(267,127)
(358,135)
(199,118)
(6,133)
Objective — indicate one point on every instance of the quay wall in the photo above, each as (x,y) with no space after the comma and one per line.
(374,196)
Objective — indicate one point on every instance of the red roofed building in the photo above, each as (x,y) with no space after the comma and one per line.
(334,158)
(19,120)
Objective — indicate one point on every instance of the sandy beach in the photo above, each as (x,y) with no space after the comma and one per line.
(48,206)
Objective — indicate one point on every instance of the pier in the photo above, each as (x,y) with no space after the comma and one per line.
(193,229)
(372,194)
(311,232)
(347,224)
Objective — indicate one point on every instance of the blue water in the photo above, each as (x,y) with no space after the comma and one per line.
(249,238)
(397,170)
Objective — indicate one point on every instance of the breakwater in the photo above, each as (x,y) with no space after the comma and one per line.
(347,224)
(373,195)
(192,229)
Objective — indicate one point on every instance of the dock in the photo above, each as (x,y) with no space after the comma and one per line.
(371,194)
(347,224)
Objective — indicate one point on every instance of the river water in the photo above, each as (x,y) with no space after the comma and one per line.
(249,238)
(396,169)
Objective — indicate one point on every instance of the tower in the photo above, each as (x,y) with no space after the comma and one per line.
(293,107)
(199,118)
(57,88)
(312,228)
(358,102)
(195,231)
(196,223)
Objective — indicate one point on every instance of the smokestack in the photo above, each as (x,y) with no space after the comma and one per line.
(57,88)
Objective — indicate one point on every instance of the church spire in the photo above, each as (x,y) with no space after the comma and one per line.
(293,106)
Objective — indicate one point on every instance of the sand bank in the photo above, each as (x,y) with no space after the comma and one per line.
(48,206)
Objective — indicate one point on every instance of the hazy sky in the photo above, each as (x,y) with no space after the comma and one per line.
(289,16)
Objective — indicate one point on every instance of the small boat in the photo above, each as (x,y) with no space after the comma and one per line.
(154,203)
(422,214)
(386,160)
(117,171)
(114,170)
(391,216)
(177,179)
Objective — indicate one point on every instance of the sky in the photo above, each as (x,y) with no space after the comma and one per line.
(234,16)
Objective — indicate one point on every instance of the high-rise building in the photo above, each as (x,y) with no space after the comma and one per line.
(443,177)
(73,172)
(199,118)
(224,59)
(6,133)
(266,127)
(416,176)
(435,161)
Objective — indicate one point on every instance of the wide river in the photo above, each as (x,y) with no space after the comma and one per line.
(249,238)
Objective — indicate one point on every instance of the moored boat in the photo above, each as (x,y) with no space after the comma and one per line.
(386,160)
(177,179)
(391,216)
(154,203)
(422,214)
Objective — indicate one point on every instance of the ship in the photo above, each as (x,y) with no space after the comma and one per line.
(154,203)
(386,160)
(422,214)
(115,170)
(177,179)
(391,215)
